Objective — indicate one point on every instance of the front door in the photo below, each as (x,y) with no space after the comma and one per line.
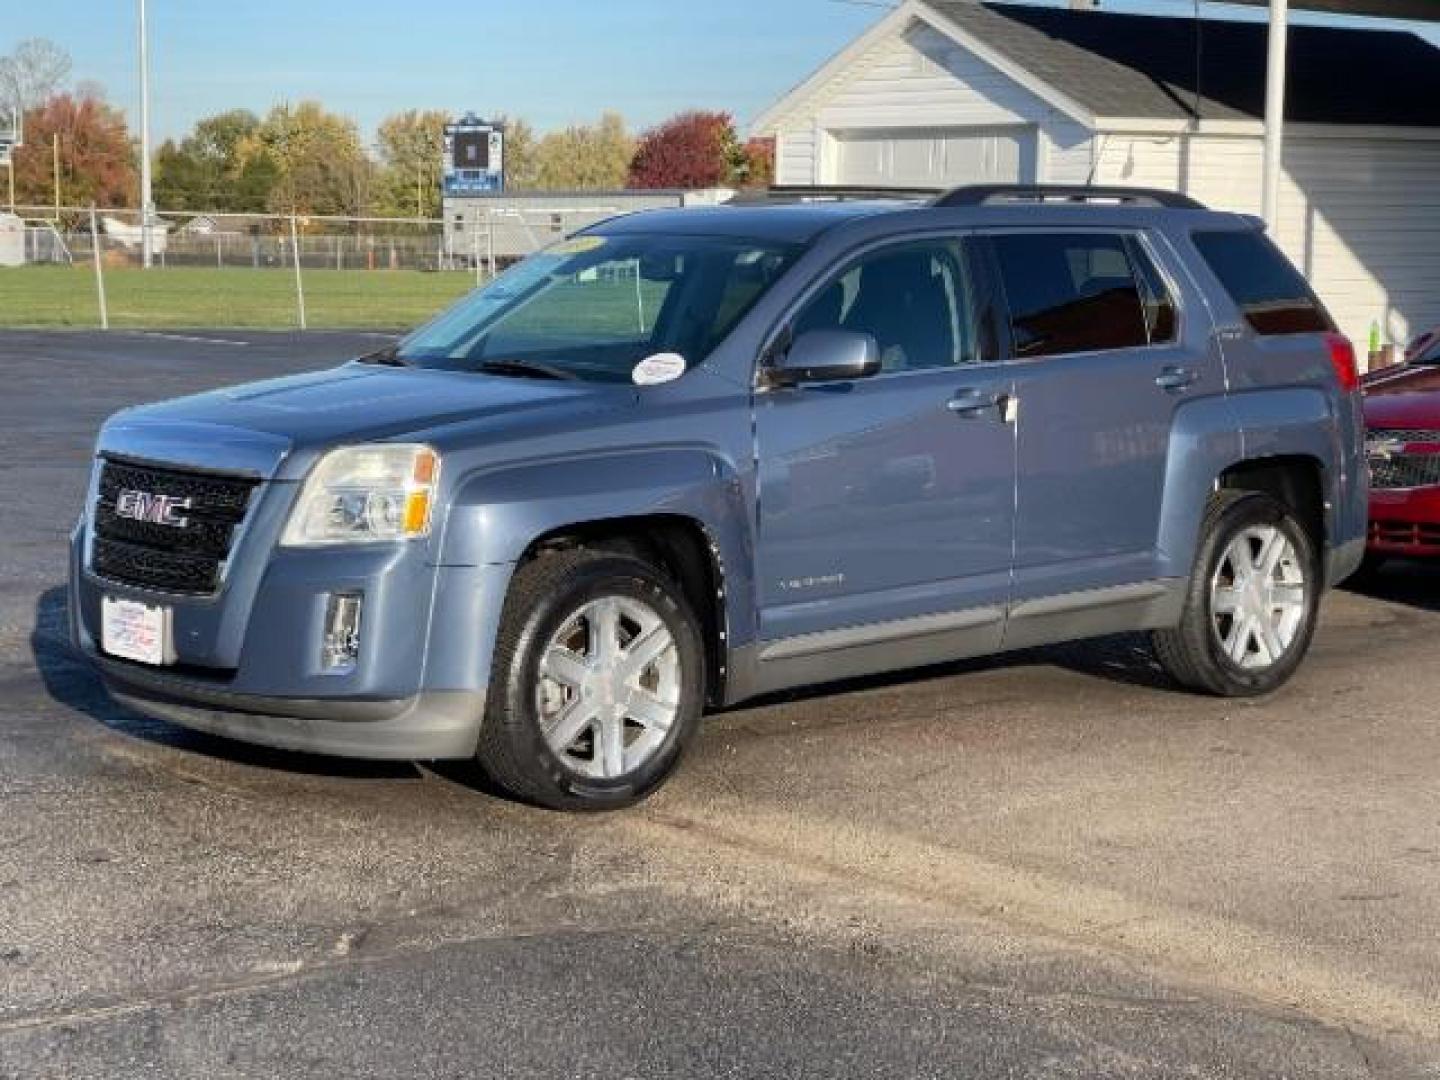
(890,498)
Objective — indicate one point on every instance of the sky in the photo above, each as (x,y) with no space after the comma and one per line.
(552,62)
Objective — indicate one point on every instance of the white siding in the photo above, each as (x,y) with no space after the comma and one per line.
(1362,218)
(921,79)
(1359,217)
(795,157)
(1069,160)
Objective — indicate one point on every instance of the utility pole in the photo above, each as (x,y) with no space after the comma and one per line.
(1275,112)
(147,207)
(19,140)
(55,155)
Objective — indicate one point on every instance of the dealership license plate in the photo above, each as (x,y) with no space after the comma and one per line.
(134,631)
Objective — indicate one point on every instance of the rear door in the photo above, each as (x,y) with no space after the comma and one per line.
(1102,359)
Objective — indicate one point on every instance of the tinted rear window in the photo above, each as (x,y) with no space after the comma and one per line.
(1071,293)
(1269,292)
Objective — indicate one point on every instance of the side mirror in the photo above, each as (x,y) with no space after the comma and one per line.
(826,356)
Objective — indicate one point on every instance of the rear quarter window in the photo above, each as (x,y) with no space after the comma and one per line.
(1268,290)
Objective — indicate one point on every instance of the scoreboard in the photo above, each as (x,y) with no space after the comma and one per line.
(474,157)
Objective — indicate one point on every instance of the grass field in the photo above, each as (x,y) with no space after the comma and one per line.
(51,296)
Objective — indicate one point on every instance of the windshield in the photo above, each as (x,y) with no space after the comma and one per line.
(594,307)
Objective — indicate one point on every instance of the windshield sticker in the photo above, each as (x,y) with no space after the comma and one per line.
(661,368)
(580,245)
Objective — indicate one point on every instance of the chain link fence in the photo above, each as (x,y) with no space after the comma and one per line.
(85,267)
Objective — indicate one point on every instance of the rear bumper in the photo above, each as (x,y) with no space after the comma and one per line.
(1405,523)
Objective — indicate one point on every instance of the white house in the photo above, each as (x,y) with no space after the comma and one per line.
(948,92)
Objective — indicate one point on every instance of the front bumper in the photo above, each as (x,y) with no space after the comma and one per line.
(1405,523)
(429,726)
(248,660)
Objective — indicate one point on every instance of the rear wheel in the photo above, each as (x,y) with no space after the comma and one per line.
(597,683)
(1252,603)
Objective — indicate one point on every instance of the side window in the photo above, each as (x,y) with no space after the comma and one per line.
(1161,324)
(915,299)
(1070,293)
(1269,292)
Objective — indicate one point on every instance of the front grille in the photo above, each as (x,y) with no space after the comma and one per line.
(1404,471)
(1405,436)
(184,559)
(1407,467)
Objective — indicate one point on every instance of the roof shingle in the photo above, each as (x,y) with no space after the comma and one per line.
(1145,65)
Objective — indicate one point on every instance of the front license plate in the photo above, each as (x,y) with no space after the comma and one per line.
(134,631)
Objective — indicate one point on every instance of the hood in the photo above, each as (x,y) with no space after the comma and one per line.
(288,420)
(1408,398)
(1402,379)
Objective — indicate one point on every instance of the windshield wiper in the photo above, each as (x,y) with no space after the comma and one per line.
(526,369)
(388,356)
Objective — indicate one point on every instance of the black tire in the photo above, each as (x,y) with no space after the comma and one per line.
(1191,653)
(546,593)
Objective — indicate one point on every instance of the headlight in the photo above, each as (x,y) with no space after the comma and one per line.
(366,495)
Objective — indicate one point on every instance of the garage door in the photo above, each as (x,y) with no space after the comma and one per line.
(939,157)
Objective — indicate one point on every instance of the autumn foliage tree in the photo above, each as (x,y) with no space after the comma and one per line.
(688,151)
(97,163)
(317,159)
(759,163)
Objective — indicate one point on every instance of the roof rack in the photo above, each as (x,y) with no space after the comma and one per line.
(983,194)
(804,193)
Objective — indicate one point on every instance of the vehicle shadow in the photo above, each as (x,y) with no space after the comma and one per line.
(1401,581)
(1120,658)
(71,682)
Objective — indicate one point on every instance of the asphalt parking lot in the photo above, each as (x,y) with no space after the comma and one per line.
(1050,864)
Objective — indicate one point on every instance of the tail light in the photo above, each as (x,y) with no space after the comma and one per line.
(1342,359)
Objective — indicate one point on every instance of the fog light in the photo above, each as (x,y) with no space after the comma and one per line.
(341,648)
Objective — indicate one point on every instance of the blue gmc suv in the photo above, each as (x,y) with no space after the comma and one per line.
(689,457)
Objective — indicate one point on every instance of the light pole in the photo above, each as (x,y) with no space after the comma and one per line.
(147,208)
(1275,112)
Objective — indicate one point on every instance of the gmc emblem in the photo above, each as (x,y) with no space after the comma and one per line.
(153,509)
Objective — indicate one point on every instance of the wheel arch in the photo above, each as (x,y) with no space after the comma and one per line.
(682,508)
(1294,480)
(1279,442)
(685,550)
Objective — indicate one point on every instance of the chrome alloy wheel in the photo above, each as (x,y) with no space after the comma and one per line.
(609,687)
(1258,598)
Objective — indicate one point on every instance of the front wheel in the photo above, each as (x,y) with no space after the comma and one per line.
(597,685)
(1252,602)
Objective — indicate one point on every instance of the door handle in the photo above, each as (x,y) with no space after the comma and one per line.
(974,404)
(1176,379)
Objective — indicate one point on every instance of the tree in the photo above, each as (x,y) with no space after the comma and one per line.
(579,158)
(522,172)
(691,150)
(34,72)
(759,163)
(204,172)
(317,159)
(97,161)
(411,145)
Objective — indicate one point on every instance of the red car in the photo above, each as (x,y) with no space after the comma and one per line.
(1402,415)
